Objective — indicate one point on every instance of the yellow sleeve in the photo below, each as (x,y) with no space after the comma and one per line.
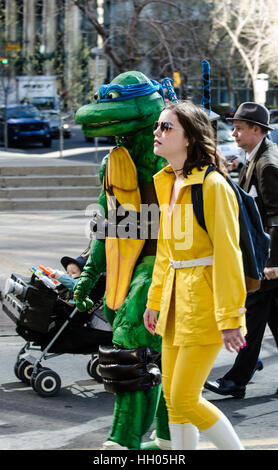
(160,267)
(221,217)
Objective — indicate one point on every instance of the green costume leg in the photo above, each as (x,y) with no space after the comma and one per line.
(162,429)
(162,438)
(133,416)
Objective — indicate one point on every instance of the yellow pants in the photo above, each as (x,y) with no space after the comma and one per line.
(184,372)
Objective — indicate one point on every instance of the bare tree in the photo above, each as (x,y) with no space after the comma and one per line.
(127,49)
(159,37)
(250,26)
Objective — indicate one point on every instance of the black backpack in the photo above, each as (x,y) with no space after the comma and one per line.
(254,242)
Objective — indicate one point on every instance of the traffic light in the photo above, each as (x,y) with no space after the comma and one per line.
(177,79)
(4,60)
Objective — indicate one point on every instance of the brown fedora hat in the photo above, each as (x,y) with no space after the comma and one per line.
(253,113)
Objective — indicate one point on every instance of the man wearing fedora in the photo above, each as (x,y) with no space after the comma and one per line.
(260,179)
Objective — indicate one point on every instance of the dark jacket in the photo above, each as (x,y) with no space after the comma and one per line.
(263,174)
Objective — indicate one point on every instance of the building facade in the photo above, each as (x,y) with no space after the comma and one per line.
(50,37)
(54,37)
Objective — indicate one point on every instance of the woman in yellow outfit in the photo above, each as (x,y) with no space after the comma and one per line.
(198,281)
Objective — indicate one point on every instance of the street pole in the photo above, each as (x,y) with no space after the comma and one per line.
(96,53)
(5,88)
(97,72)
(61,130)
(6,141)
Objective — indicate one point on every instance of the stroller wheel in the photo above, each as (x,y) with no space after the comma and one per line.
(47,383)
(93,369)
(16,366)
(33,376)
(23,370)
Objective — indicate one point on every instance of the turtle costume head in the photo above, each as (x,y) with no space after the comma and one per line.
(122,108)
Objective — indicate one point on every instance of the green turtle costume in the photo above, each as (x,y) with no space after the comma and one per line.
(127,109)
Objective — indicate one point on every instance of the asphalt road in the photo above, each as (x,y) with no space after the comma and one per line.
(79,417)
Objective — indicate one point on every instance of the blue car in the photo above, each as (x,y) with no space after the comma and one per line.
(273,135)
(25,125)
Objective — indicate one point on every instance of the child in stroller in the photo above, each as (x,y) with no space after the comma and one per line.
(73,268)
(67,280)
(96,318)
(48,320)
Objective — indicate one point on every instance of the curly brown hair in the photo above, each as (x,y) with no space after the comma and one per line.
(198,129)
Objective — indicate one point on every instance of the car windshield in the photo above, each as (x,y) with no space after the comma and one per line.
(50,114)
(23,112)
(43,103)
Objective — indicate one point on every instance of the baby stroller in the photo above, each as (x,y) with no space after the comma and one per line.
(52,327)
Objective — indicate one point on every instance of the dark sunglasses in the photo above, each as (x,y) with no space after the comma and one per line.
(164,126)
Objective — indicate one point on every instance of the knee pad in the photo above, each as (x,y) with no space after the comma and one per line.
(128,370)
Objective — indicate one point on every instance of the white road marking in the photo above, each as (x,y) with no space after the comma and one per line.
(266,443)
(51,440)
(55,154)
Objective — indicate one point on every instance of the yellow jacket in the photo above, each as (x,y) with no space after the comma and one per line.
(208,298)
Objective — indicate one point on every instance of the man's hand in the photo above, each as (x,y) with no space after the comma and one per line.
(82,290)
(271,273)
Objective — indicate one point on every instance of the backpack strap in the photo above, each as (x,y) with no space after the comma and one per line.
(197,199)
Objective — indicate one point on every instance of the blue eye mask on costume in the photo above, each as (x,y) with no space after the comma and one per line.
(126,92)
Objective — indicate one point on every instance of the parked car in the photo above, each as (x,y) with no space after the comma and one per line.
(25,125)
(273,135)
(273,115)
(53,118)
(44,102)
(228,147)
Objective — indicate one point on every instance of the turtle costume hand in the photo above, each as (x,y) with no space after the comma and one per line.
(81,294)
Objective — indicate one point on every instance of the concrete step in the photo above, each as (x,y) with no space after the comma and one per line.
(35,204)
(49,192)
(48,180)
(61,186)
(57,169)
